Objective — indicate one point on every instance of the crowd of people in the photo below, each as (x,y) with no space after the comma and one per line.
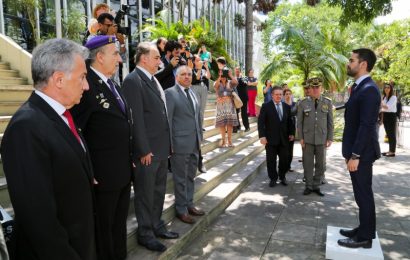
(86,138)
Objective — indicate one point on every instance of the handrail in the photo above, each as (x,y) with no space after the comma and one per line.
(18,58)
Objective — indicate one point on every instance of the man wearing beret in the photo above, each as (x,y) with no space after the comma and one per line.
(315,130)
(105,120)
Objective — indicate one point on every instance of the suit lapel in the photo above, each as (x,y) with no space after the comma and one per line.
(148,81)
(64,130)
(183,96)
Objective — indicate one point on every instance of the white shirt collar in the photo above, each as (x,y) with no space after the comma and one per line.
(359,80)
(149,75)
(59,108)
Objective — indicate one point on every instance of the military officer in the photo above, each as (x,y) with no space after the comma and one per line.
(315,129)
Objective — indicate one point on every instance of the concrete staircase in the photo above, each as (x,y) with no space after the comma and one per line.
(229,171)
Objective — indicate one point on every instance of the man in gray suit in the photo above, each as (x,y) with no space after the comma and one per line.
(315,130)
(186,131)
(152,146)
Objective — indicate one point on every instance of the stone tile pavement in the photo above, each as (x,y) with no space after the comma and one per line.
(281,223)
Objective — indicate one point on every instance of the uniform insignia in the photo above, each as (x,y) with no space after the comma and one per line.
(106,105)
(100,81)
(325,107)
(103,100)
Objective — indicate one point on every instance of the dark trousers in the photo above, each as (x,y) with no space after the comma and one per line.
(272,152)
(112,210)
(244,113)
(149,187)
(290,154)
(363,194)
(390,124)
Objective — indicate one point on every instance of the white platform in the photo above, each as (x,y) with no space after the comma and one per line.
(336,252)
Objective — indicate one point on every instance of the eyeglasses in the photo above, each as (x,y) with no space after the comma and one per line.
(108,25)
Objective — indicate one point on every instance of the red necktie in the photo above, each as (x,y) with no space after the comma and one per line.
(70,120)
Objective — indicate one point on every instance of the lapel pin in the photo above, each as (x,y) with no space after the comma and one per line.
(106,105)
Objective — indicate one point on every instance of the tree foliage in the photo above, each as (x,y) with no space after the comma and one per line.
(361,10)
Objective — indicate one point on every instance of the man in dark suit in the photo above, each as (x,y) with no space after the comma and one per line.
(171,61)
(276,129)
(360,145)
(152,146)
(186,131)
(243,94)
(46,161)
(104,118)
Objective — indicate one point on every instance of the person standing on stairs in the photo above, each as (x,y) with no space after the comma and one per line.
(243,95)
(186,131)
(47,162)
(276,129)
(152,146)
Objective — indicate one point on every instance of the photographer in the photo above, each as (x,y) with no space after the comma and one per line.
(243,94)
(171,61)
(186,53)
(107,26)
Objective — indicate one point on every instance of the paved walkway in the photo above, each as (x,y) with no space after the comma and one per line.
(281,223)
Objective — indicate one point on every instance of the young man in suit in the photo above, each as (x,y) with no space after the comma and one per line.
(186,131)
(276,129)
(360,145)
(46,161)
(105,120)
(152,146)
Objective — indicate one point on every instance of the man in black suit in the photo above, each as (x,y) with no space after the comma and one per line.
(104,118)
(276,129)
(152,146)
(360,145)
(46,161)
(243,94)
(171,61)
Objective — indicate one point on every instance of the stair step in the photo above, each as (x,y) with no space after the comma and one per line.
(4,194)
(4,121)
(214,203)
(9,107)
(12,81)
(15,93)
(4,65)
(210,112)
(8,73)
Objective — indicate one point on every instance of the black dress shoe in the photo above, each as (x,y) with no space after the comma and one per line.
(168,235)
(154,245)
(307,191)
(348,232)
(247,129)
(290,170)
(272,183)
(353,243)
(390,155)
(284,182)
(384,154)
(195,212)
(318,192)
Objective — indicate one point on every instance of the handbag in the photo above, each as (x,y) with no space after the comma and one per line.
(237,100)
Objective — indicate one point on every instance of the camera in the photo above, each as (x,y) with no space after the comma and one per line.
(119,17)
(182,61)
(187,48)
(225,72)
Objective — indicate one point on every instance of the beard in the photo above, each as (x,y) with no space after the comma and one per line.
(350,72)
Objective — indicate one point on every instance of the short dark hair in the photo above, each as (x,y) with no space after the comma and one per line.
(366,55)
(221,60)
(172,45)
(287,90)
(276,87)
(104,16)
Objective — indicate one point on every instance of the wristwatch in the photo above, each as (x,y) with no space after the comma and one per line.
(354,157)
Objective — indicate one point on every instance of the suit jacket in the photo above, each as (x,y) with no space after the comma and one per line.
(186,129)
(49,177)
(269,125)
(107,131)
(151,130)
(242,88)
(166,75)
(360,133)
(315,125)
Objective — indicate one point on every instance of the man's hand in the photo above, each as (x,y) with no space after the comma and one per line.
(174,61)
(352,165)
(291,138)
(302,143)
(263,140)
(146,160)
(112,30)
(120,38)
(328,143)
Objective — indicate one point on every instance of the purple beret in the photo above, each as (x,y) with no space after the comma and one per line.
(99,41)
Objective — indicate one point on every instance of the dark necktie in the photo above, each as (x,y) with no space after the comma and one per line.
(189,98)
(71,124)
(316,102)
(117,96)
(279,111)
(353,88)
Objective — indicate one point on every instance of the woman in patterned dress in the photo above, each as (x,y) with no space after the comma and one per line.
(226,117)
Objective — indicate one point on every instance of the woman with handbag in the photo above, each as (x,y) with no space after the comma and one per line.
(389,109)
(226,117)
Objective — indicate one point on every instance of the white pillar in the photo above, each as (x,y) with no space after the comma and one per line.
(89,14)
(2,30)
(140,19)
(153,12)
(65,9)
(58,18)
(37,17)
